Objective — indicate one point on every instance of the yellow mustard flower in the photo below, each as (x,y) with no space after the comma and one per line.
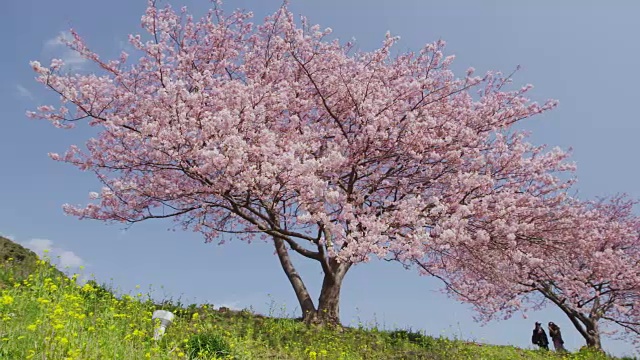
(6,299)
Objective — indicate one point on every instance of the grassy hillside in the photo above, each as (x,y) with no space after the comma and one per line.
(23,260)
(18,262)
(49,316)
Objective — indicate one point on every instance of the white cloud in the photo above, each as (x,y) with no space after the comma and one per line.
(56,47)
(125,46)
(58,41)
(24,92)
(39,246)
(73,59)
(65,258)
(10,237)
(70,259)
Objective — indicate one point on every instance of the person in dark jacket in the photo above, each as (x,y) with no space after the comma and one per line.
(556,337)
(539,337)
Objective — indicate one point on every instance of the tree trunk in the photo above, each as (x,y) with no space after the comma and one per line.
(306,304)
(593,336)
(328,310)
(586,325)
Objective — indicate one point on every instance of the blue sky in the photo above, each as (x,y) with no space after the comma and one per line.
(583,53)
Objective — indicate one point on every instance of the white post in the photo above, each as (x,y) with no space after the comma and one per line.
(166,318)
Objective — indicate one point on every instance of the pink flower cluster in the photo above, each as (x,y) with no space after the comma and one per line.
(275,131)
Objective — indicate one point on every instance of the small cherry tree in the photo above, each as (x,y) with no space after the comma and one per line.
(582,257)
(275,131)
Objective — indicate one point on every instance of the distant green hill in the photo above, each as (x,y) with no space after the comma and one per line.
(19,260)
(10,249)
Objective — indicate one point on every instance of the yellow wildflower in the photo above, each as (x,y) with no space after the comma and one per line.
(6,300)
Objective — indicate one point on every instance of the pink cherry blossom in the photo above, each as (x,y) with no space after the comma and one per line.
(273,131)
(581,257)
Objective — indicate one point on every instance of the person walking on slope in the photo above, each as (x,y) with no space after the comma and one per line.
(539,337)
(556,337)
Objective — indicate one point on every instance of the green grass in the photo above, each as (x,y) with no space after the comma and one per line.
(46,315)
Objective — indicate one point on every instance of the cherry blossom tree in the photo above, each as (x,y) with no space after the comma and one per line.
(279,133)
(586,261)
